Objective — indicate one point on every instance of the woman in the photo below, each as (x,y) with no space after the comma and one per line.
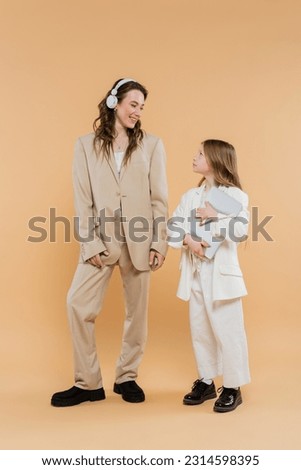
(120,194)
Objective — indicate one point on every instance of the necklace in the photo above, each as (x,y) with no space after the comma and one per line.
(121,144)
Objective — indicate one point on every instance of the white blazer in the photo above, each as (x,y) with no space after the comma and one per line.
(227,282)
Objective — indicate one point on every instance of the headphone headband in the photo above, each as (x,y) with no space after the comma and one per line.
(112,101)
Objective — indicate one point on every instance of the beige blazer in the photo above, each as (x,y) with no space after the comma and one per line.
(139,194)
(227,282)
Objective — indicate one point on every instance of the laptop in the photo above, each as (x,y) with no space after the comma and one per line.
(222,203)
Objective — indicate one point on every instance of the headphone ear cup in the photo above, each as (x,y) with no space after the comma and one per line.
(111,101)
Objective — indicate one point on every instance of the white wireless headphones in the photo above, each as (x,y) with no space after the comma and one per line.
(112,100)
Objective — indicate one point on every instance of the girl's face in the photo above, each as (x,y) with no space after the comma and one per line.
(200,163)
(128,111)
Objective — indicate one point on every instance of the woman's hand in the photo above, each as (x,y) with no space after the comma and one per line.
(156,260)
(97,261)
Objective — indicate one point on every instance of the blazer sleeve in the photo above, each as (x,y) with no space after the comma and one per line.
(90,243)
(178,225)
(158,195)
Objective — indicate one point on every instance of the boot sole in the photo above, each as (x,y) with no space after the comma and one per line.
(94,396)
(130,399)
(187,401)
(227,408)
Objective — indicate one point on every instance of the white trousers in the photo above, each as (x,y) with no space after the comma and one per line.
(218,333)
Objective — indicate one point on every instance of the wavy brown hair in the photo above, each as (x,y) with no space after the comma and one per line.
(221,157)
(104,124)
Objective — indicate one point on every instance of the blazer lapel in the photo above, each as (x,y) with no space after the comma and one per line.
(196,201)
(137,155)
(122,171)
(112,165)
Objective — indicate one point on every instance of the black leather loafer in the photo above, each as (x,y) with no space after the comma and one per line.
(130,391)
(200,392)
(228,400)
(76,395)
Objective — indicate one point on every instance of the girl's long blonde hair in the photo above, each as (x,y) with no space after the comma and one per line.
(221,157)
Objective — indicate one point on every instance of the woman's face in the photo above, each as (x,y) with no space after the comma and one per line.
(200,163)
(128,110)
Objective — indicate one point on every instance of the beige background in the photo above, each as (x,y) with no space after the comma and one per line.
(227,69)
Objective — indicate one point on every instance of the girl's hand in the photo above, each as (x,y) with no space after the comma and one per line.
(207,212)
(197,248)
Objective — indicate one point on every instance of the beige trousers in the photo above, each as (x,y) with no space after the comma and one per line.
(84,302)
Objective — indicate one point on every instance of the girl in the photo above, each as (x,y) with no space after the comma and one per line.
(214,287)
